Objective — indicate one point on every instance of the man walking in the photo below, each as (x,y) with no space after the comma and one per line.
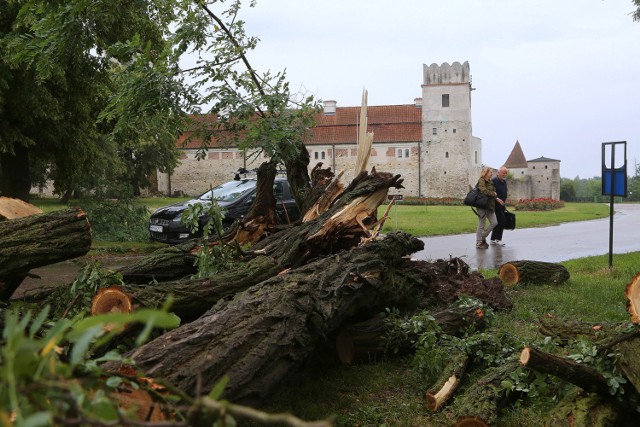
(500,182)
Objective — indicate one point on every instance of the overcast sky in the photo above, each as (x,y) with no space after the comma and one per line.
(559,76)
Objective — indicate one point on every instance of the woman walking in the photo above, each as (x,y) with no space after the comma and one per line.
(486,187)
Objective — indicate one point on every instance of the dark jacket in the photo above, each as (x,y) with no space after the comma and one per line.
(487,187)
(501,188)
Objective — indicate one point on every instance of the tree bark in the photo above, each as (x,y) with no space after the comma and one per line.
(170,263)
(38,240)
(257,337)
(480,404)
(193,297)
(532,272)
(585,377)
(442,390)
(582,409)
(363,341)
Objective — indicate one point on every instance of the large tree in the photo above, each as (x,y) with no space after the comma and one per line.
(92,93)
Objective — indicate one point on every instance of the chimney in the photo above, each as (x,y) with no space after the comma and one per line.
(330,108)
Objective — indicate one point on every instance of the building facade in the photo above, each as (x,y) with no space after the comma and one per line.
(430,143)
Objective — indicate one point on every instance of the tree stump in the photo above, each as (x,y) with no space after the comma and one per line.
(532,272)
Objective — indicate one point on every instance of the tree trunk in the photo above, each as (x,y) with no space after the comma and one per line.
(170,263)
(257,337)
(193,297)
(16,208)
(442,390)
(364,341)
(15,173)
(480,404)
(38,240)
(585,377)
(532,272)
(582,409)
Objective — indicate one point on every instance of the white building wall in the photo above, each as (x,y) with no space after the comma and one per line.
(452,157)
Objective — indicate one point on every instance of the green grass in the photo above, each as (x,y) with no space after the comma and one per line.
(443,220)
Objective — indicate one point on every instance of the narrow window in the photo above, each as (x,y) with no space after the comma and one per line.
(476,157)
(445,100)
(399,153)
(446,154)
(315,155)
(454,131)
(434,131)
(322,155)
(406,152)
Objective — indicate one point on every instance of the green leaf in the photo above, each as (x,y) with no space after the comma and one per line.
(218,389)
(37,419)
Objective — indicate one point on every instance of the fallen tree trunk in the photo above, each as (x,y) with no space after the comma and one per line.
(170,263)
(38,240)
(480,404)
(442,390)
(582,409)
(532,272)
(257,337)
(585,377)
(362,341)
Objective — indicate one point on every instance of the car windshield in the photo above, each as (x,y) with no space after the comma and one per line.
(229,191)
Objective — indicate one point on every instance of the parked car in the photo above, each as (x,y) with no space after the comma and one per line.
(234,197)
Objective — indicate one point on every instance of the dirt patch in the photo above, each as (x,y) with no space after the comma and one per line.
(65,272)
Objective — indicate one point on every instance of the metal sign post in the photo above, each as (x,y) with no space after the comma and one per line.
(614,182)
(394,198)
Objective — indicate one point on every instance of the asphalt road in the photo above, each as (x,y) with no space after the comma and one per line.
(552,244)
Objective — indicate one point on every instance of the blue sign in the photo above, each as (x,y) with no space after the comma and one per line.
(617,178)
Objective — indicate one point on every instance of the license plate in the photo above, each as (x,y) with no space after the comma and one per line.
(156,228)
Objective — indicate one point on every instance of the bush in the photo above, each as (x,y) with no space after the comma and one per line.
(539,204)
(430,201)
(116,220)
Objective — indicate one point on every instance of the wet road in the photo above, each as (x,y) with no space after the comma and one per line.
(552,244)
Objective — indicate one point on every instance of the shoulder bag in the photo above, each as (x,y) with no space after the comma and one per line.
(476,199)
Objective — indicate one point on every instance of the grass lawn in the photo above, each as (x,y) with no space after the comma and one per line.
(426,221)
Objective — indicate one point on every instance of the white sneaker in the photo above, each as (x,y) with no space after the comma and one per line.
(494,242)
(498,242)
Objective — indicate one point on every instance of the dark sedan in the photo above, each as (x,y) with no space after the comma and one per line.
(235,199)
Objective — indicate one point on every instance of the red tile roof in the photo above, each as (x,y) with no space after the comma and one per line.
(389,123)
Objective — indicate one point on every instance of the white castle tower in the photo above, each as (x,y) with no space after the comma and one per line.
(451,155)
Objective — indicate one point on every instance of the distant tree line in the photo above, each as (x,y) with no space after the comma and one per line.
(590,189)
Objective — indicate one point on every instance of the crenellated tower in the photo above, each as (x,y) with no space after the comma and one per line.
(451,156)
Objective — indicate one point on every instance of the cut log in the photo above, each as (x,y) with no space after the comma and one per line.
(442,390)
(193,297)
(365,341)
(38,240)
(480,404)
(632,292)
(15,208)
(532,272)
(585,377)
(257,337)
(170,263)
